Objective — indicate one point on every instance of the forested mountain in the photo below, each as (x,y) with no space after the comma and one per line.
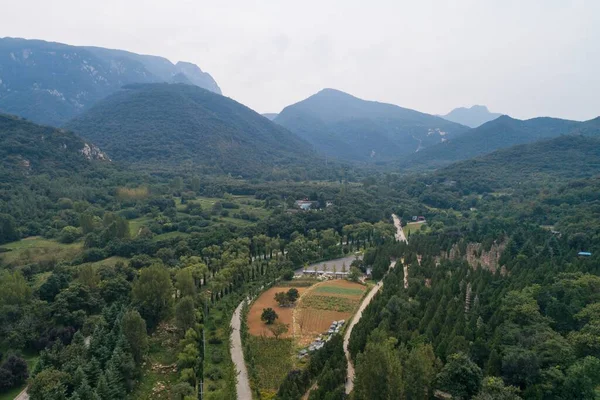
(50,83)
(473,116)
(564,157)
(177,123)
(343,126)
(500,133)
(28,149)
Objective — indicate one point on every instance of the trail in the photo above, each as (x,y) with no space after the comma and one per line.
(242,384)
(350,377)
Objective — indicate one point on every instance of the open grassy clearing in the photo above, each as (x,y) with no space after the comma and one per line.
(36,249)
(413,227)
(136,224)
(339,290)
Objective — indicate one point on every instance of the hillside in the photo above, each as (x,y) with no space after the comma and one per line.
(271,116)
(50,83)
(563,158)
(500,133)
(174,123)
(29,149)
(343,126)
(471,117)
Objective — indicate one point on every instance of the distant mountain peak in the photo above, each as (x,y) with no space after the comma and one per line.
(51,83)
(473,116)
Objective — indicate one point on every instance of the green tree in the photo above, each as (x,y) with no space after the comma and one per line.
(268,315)
(493,388)
(460,377)
(8,229)
(292,295)
(153,294)
(49,384)
(379,374)
(278,329)
(185,314)
(15,290)
(134,330)
(419,372)
(184,282)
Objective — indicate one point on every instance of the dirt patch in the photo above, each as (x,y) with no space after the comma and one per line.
(257,327)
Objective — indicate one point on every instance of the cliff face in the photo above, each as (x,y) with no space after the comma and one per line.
(477,257)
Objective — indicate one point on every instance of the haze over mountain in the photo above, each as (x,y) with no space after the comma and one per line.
(500,133)
(472,117)
(176,123)
(51,83)
(29,149)
(343,126)
(271,116)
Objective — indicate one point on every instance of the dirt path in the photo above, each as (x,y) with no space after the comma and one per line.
(401,238)
(242,384)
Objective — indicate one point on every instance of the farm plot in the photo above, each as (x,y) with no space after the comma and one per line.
(257,327)
(324,303)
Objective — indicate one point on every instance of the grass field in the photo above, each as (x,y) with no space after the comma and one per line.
(413,227)
(339,290)
(136,224)
(273,359)
(37,249)
(332,303)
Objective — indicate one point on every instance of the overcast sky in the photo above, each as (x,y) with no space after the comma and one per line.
(524,58)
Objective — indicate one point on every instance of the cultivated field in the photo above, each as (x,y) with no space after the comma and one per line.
(324,303)
(257,327)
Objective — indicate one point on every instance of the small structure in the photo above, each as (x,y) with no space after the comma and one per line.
(306,204)
(584,254)
(418,218)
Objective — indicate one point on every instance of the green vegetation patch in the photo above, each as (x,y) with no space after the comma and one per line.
(37,249)
(339,290)
(331,303)
(273,359)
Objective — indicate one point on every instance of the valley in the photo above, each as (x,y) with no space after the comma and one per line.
(159,240)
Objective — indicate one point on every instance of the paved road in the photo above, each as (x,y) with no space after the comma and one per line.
(357,316)
(23,395)
(350,378)
(242,385)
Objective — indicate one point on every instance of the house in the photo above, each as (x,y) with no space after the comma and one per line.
(584,254)
(418,218)
(306,204)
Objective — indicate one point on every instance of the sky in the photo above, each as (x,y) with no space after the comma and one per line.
(525,58)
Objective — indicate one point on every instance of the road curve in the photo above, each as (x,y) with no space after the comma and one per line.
(355,319)
(242,384)
(350,377)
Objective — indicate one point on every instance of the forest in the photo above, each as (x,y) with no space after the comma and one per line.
(120,282)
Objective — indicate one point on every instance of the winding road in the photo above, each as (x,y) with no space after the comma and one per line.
(350,378)
(242,383)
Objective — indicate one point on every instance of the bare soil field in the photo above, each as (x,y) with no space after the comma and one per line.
(257,327)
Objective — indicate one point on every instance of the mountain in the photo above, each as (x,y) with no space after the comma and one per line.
(471,117)
(29,149)
(566,157)
(169,124)
(500,133)
(271,116)
(343,126)
(50,83)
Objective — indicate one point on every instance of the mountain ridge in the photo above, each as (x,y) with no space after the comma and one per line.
(177,123)
(50,82)
(497,134)
(343,126)
(472,117)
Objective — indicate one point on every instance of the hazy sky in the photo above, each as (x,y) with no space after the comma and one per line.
(525,58)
